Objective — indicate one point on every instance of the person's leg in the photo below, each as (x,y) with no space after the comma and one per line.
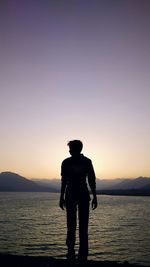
(71,229)
(83,229)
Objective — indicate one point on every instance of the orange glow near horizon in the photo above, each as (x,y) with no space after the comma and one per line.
(107,162)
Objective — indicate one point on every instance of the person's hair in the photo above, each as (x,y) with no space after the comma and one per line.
(75,145)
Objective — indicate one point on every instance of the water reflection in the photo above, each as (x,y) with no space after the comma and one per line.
(33,224)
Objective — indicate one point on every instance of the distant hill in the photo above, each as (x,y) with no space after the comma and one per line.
(121,186)
(146,187)
(125,192)
(50,183)
(131,187)
(107,183)
(137,183)
(13,182)
(102,184)
(56,183)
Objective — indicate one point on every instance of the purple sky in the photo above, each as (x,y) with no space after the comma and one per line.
(75,70)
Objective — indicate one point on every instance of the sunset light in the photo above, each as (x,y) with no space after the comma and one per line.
(80,75)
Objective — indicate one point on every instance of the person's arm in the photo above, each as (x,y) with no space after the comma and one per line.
(92,184)
(63,188)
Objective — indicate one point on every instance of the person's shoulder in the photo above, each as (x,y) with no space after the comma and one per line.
(65,161)
(86,159)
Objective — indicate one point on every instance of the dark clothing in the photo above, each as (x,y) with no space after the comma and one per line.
(83,215)
(75,171)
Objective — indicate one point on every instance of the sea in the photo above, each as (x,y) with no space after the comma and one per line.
(33,224)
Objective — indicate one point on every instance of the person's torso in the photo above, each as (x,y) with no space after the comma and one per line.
(76,169)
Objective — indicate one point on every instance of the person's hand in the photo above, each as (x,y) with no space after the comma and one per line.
(94,203)
(62,203)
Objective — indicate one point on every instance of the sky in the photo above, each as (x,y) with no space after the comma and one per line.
(75,70)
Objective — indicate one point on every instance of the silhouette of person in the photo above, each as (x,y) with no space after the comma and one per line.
(75,170)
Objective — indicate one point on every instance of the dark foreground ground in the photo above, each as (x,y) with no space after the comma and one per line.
(31,261)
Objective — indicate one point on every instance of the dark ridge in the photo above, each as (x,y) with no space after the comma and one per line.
(125,192)
(12,182)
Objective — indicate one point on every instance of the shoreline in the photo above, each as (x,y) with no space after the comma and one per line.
(8,260)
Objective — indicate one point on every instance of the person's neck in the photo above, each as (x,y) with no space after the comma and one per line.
(77,155)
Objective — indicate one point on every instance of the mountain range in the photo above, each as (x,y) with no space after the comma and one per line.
(105,184)
(10,181)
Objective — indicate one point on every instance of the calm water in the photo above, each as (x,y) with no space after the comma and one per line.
(33,224)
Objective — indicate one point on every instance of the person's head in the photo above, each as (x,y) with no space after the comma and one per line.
(75,147)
